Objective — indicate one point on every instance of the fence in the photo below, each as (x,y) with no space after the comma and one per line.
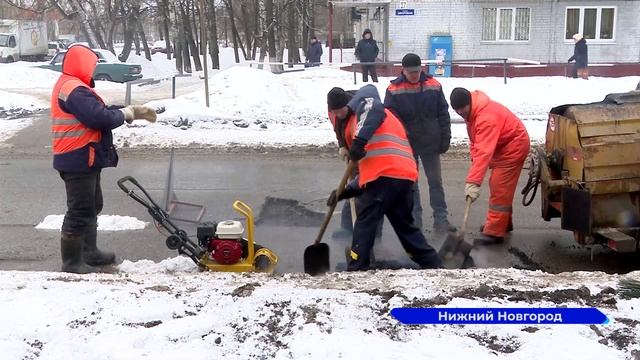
(152,81)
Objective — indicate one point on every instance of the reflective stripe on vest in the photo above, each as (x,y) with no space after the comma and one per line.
(67,132)
(388,151)
(409,88)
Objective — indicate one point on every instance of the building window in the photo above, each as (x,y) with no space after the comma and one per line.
(595,23)
(506,24)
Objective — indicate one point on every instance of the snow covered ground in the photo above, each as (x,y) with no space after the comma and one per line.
(251,107)
(172,311)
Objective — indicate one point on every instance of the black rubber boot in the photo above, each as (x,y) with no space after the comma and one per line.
(92,255)
(484,239)
(71,251)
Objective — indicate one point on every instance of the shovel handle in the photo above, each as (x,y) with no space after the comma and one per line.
(352,204)
(463,229)
(341,185)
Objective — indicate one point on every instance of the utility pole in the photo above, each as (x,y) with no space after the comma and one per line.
(203,44)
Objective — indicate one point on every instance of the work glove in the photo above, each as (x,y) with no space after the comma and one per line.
(357,150)
(472,191)
(133,112)
(351,190)
(344,153)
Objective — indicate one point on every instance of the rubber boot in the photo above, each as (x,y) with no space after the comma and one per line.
(71,251)
(92,255)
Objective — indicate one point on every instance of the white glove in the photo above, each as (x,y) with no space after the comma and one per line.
(132,112)
(344,153)
(472,191)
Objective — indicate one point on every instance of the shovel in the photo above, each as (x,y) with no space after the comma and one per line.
(455,250)
(316,256)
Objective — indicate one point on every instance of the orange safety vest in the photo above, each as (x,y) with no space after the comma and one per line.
(68,133)
(388,151)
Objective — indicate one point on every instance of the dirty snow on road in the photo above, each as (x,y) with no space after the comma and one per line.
(170,310)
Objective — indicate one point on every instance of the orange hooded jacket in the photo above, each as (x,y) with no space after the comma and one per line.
(498,138)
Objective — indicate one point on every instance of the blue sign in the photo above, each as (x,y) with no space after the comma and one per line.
(400,12)
(415,316)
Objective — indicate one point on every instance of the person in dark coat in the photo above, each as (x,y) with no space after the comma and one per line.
(419,102)
(81,125)
(367,52)
(580,56)
(314,52)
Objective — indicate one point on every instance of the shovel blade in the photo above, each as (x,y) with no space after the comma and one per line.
(454,252)
(316,259)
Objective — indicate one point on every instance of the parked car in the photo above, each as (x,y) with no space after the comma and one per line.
(108,69)
(160,46)
(54,48)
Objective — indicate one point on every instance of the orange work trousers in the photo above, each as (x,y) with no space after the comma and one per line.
(502,188)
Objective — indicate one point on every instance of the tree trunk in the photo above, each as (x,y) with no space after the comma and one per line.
(136,41)
(305,27)
(112,30)
(99,30)
(213,35)
(84,22)
(257,29)
(246,22)
(165,25)
(184,46)
(195,26)
(178,55)
(280,41)
(190,43)
(271,34)
(143,37)
(292,43)
(128,39)
(234,30)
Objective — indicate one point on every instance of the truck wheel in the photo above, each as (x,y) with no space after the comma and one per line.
(10,59)
(102,77)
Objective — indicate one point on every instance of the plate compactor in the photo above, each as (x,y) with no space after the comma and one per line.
(220,246)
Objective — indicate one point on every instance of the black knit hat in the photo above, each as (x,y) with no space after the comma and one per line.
(411,63)
(337,98)
(460,97)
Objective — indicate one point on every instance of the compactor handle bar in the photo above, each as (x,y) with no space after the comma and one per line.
(178,240)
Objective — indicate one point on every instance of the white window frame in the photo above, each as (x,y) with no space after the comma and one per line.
(513,25)
(597,40)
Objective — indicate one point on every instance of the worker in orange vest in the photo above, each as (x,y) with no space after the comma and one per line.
(500,142)
(387,171)
(81,127)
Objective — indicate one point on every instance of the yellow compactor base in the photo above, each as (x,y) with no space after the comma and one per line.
(247,264)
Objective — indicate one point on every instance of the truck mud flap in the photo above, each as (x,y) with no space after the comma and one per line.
(576,210)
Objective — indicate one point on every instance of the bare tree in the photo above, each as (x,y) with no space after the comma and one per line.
(213,35)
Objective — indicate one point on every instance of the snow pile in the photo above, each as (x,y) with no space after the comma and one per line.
(26,75)
(105,223)
(159,66)
(254,107)
(247,107)
(169,265)
(341,315)
(14,104)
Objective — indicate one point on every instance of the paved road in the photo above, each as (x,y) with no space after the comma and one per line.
(30,190)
